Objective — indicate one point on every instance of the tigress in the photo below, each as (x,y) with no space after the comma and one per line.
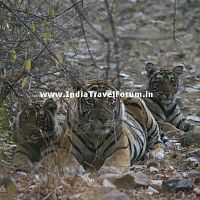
(35,129)
(104,134)
(164,84)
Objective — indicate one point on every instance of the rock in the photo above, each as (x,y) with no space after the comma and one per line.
(190,138)
(128,181)
(169,185)
(151,191)
(194,118)
(195,176)
(184,185)
(175,185)
(140,178)
(109,177)
(191,160)
(195,153)
(157,184)
(112,194)
(22,174)
(75,196)
(177,175)
(85,178)
(107,183)
(197,191)
(132,180)
(153,169)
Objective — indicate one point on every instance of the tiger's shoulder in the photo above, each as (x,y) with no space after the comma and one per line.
(137,108)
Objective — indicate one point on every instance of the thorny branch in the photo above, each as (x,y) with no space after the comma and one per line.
(84,34)
(36,35)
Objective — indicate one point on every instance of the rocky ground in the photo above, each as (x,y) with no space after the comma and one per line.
(145,33)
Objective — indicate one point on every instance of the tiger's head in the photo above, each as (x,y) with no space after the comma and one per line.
(163,83)
(35,121)
(98,110)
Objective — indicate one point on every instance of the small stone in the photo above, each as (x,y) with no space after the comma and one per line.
(22,174)
(140,178)
(75,196)
(85,178)
(195,153)
(107,183)
(174,185)
(171,167)
(57,74)
(197,191)
(169,185)
(112,194)
(190,138)
(191,160)
(153,169)
(152,191)
(128,181)
(195,175)
(157,184)
(125,182)
(184,185)
(109,177)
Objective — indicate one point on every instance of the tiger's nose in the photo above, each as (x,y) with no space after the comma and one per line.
(102,119)
(167,95)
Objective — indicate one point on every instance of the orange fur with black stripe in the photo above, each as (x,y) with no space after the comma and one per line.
(105,134)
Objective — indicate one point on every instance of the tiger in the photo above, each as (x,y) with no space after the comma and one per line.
(35,130)
(104,133)
(164,84)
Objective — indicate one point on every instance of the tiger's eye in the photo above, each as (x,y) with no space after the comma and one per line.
(90,100)
(155,85)
(173,82)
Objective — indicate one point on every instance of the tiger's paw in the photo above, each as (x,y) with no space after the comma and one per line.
(107,173)
(157,153)
(108,170)
(21,162)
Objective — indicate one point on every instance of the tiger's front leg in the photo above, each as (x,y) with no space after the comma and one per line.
(24,157)
(61,160)
(119,161)
(72,166)
(22,162)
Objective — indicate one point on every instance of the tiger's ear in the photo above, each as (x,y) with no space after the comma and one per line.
(177,70)
(50,105)
(22,103)
(150,68)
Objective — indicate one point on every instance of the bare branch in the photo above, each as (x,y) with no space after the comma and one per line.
(115,40)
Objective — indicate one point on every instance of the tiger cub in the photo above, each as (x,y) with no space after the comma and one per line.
(104,134)
(35,130)
(164,84)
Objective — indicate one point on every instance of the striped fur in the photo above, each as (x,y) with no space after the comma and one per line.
(35,129)
(104,133)
(164,85)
